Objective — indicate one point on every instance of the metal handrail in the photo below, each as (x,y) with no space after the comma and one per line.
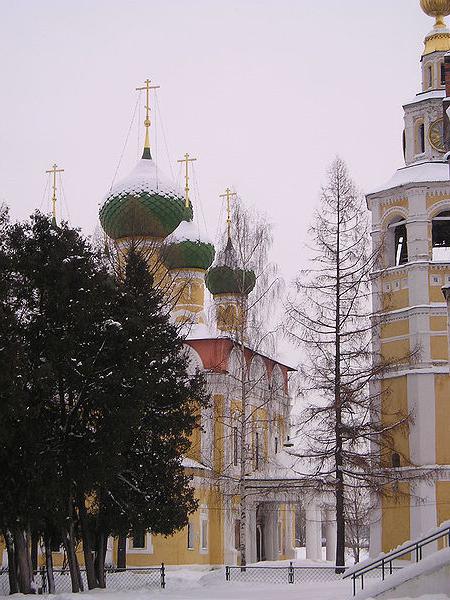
(387,560)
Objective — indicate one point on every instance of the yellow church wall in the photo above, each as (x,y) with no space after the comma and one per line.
(442,416)
(442,504)
(395,300)
(443,501)
(216,528)
(394,406)
(286,518)
(195,449)
(281,426)
(438,323)
(174,549)
(439,347)
(397,350)
(395,519)
(395,329)
(435,293)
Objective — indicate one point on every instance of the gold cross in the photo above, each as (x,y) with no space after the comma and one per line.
(54,170)
(228,195)
(147,89)
(186,160)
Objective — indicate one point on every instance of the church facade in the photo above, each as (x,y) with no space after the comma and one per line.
(411,221)
(208,295)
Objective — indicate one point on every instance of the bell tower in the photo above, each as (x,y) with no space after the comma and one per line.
(424,122)
(411,224)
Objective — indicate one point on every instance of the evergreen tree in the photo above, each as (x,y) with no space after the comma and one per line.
(148,488)
(99,398)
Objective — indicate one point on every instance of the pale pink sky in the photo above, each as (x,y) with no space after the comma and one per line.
(264,93)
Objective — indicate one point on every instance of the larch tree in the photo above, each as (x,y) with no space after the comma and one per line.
(344,438)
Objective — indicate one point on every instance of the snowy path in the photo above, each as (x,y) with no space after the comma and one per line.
(248,591)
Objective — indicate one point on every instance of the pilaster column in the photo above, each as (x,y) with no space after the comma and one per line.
(330,535)
(313,532)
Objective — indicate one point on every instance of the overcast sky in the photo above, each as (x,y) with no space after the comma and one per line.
(264,93)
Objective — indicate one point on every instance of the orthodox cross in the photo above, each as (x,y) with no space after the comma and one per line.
(186,160)
(228,195)
(147,87)
(54,170)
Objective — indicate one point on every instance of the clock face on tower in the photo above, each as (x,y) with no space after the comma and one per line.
(436,135)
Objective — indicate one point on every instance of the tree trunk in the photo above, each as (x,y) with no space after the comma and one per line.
(34,551)
(69,547)
(243,465)
(102,542)
(122,551)
(338,457)
(78,571)
(12,572)
(23,563)
(87,544)
(49,565)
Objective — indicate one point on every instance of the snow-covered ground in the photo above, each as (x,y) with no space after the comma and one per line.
(199,583)
(204,583)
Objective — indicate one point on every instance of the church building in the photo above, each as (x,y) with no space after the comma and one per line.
(411,221)
(209,294)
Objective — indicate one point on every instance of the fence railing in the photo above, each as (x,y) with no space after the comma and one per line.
(116,579)
(283,573)
(384,565)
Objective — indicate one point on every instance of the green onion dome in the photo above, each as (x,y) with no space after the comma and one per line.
(143,204)
(225,278)
(189,249)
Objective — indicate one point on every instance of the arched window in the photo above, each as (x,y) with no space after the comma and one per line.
(441,236)
(397,243)
(442,70)
(420,137)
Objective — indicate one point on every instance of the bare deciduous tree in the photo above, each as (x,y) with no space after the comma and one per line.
(246,252)
(347,438)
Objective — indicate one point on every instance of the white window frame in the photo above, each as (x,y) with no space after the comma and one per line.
(148,549)
(190,532)
(204,529)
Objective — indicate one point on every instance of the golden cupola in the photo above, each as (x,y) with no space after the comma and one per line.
(438,40)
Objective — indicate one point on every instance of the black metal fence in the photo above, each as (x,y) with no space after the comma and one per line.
(4,582)
(283,573)
(116,579)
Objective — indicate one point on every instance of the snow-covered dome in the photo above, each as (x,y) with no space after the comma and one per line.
(189,249)
(145,204)
(226,278)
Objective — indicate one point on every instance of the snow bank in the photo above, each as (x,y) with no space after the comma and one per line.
(429,576)
(433,531)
